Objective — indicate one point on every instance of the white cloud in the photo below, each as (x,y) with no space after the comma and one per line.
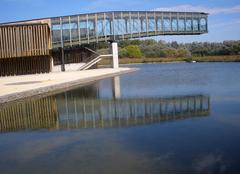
(231,24)
(213,11)
(209,163)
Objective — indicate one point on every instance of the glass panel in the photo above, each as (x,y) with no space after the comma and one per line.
(66,29)
(151,24)
(135,23)
(126,23)
(195,25)
(56,30)
(159,24)
(174,24)
(189,25)
(166,24)
(129,25)
(83,27)
(100,25)
(91,25)
(181,26)
(203,24)
(74,28)
(143,22)
(109,24)
(118,24)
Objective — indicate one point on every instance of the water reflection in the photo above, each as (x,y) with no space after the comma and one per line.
(32,114)
(77,112)
(185,132)
(116,87)
(84,108)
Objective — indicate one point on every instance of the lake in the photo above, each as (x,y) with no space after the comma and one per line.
(165,118)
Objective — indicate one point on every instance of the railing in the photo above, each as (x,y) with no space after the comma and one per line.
(94,61)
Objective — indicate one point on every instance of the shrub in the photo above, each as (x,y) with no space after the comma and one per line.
(170,52)
(150,54)
(161,53)
(183,53)
(123,53)
(133,51)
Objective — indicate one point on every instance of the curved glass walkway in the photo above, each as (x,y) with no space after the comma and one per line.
(120,25)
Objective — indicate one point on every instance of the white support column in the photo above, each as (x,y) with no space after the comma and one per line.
(115,55)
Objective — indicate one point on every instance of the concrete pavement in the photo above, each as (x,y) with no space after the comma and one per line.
(19,87)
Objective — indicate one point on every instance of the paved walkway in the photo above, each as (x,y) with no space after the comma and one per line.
(18,87)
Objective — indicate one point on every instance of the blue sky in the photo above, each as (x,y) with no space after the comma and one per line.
(224,19)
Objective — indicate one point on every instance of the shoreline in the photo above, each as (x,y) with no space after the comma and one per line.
(206,59)
(53,83)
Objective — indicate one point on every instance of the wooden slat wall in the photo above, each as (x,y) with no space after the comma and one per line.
(24,40)
(20,66)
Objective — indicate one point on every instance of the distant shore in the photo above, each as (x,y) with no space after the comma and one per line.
(231,58)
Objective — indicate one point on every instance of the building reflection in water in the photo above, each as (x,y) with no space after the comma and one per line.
(83,108)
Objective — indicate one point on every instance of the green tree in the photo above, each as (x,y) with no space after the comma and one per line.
(183,53)
(171,52)
(133,51)
(161,53)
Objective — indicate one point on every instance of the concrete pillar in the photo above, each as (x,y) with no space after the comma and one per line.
(51,64)
(63,61)
(115,55)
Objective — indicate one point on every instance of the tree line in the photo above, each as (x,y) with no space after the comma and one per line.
(160,49)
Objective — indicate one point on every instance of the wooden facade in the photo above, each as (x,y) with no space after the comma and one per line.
(24,40)
(24,65)
(24,49)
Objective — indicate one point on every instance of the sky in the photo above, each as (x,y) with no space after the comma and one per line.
(224,15)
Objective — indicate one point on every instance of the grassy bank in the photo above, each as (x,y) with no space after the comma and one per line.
(232,58)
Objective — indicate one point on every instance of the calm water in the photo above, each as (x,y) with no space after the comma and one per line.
(165,118)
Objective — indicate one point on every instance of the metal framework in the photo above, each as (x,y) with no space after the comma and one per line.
(121,25)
